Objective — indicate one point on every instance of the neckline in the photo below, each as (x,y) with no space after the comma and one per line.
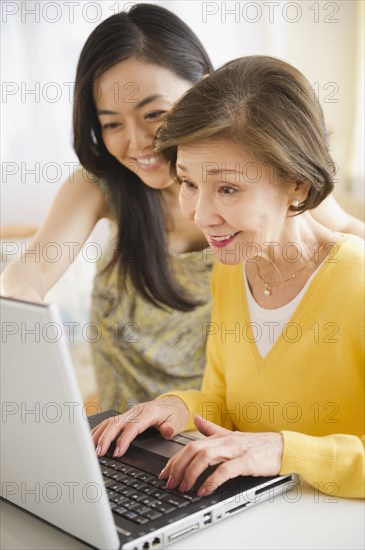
(281,310)
(300,308)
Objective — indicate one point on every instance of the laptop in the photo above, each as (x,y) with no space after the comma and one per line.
(49,467)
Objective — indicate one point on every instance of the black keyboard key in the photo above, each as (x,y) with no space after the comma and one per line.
(140,520)
(124,468)
(141,509)
(150,501)
(152,514)
(120,510)
(112,495)
(113,464)
(108,482)
(134,473)
(129,514)
(176,501)
(160,483)
(108,472)
(116,475)
(133,505)
(158,493)
(190,497)
(147,478)
(162,507)
(127,491)
(126,480)
(108,460)
(138,485)
(129,504)
(121,500)
(138,496)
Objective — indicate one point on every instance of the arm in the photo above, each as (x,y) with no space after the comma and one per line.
(333,464)
(330,214)
(78,205)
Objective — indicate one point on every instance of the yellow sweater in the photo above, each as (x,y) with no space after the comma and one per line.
(309,387)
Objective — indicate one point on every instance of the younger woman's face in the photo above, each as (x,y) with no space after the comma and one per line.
(132,99)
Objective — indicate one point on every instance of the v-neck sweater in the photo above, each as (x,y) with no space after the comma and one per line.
(268,324)
(309,386)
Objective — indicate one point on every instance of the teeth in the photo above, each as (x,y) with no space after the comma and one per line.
(222,238)
(147,162)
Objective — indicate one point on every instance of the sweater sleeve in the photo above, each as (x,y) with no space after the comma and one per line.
(334,464)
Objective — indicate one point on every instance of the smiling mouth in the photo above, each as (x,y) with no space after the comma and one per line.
(149,162)
(221,240)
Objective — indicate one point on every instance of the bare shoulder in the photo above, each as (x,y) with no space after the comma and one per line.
(78,205)
(330,214)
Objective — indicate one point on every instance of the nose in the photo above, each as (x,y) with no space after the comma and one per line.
(205,213)
(139,138)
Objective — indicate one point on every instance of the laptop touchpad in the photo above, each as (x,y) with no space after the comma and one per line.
(158,445)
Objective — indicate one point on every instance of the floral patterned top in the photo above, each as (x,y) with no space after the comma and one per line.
(141,351)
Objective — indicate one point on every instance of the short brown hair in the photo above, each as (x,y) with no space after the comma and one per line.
(268,107)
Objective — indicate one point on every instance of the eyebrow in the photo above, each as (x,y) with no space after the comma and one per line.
(139,105)
(212,171)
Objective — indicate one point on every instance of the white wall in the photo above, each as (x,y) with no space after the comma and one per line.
(41,42)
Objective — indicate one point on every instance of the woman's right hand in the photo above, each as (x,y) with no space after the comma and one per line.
(168,414)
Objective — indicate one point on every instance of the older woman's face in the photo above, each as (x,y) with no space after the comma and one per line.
(232,198)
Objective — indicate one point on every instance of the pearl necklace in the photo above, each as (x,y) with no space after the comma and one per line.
(268,286)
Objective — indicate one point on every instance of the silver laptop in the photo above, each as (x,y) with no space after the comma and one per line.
(48,462)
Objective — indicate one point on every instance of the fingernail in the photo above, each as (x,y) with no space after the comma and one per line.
(183,486)
(202,491)
(170,483)
(116,451)
(163,473)
(98,450)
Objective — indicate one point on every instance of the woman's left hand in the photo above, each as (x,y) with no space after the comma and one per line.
(237,453)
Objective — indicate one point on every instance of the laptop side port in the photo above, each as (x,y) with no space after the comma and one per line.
(236,509)
(156,541)
(183,532)
(207,518)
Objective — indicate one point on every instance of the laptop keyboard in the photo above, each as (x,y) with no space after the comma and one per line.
(140,496)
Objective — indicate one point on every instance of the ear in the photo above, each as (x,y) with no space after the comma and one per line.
(297,193)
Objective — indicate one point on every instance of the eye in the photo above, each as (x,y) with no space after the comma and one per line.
(111,125)
(155,114)
(226,190)
(187,184)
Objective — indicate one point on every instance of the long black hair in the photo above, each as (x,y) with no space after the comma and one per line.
(154,35)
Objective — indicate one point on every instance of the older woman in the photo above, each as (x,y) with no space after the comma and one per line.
(283,388)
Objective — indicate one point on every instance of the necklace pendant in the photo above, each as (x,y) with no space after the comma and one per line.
(267,291)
